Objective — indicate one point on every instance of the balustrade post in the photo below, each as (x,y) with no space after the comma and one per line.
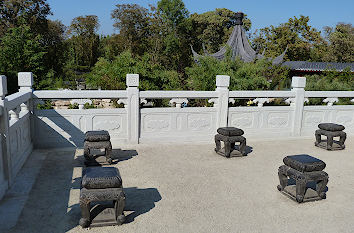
(4,139)
(25,82)
(222,88)
(298,86)
(133,107)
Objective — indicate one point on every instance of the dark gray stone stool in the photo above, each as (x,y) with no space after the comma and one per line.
(97,140)
(330,130)
(101,184)
(303,169)
(230,135)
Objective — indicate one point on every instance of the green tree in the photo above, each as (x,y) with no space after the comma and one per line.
(111,74)
(304,42)
(84,40)
(14,12)
(20,51)
(132,22)
(341,43)
(261,75)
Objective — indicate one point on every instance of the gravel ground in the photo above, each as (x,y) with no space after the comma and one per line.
(189,188)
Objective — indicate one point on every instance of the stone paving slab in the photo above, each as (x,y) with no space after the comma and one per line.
(189,188)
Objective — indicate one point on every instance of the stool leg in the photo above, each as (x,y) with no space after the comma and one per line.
(318,139)
(321,187)
(342,140)
(85,213)
(108,153)
(227,149)
(243,147)
(283,179)
(86,152)
(218,145)
(300,190)
(329,142)
(119,205)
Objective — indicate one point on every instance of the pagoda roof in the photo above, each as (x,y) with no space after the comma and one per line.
(239,45)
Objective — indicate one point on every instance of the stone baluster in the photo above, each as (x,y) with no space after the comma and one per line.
(14,116)
(261,101)
(81,102)
(123,101)
(24,108)
(291,101)
(214,101)
(179,101)
(330,101)
(232,100)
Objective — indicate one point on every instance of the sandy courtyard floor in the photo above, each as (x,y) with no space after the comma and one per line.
(185,188)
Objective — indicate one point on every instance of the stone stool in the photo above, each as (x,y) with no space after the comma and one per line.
(330,130)
(303,169)
(97,140)
(230,135)
(101,184)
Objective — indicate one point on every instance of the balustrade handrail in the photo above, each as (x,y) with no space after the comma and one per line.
(178,94)
(325,94)
(80,94)
(14,100)
(263,94)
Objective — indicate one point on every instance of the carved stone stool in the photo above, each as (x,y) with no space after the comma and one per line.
(97,140)
(101,184)
(230,135)
(303,169)
(330,130)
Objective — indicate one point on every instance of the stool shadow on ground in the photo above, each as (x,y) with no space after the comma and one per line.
(122,155)
(139,201)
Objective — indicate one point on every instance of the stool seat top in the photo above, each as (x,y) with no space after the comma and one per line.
(304,163)
(101,178)
(97,136)
(331,127)
(230,131)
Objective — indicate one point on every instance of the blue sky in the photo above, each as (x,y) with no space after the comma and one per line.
(262,13)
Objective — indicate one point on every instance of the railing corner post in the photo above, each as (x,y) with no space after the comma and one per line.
(25,81)
(298,85)
(133,105)
(222,88)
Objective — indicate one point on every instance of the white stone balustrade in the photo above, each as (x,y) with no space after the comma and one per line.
(178,102)
(330,101)
(81,102)
(134,124)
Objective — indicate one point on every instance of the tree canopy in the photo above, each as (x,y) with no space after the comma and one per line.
(155,42)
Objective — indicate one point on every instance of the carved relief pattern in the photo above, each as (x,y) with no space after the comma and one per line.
(199,123)
(277,122)
(344,120)
(106,123)
(313,118)
(157,124)
(242,120)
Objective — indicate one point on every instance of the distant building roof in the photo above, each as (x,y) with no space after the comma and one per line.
(239,45)
(317,66)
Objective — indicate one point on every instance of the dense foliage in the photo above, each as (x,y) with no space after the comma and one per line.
(155,43)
